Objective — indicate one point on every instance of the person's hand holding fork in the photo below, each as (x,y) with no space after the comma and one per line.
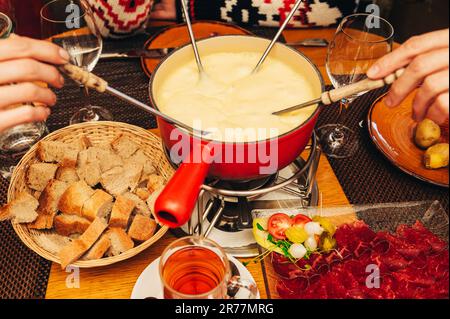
(426,58)
(24,61)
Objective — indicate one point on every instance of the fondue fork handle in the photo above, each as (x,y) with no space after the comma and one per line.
(359,87)
(277,35)
(95,82)
(337,95)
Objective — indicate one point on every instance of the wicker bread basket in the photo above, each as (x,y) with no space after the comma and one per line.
(99,132)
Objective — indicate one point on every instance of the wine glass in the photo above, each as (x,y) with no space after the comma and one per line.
(6,25)
(70,24)
(360,40)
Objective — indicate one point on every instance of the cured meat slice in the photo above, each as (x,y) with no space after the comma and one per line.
(380,245)
(420,262)
(393,261)
(362,249)
(333,258)
(335,289)
(292,287)
(354,267)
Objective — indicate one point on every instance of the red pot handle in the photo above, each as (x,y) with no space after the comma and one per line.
(175,204)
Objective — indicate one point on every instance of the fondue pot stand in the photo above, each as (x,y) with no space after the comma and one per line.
(224,209)
(175,204)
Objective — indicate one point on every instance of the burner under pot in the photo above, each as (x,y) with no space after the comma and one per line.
(235,216)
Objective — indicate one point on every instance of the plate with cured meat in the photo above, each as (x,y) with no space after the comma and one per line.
(386,251)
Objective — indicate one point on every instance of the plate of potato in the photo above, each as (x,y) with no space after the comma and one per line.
(84,195)
(419,149)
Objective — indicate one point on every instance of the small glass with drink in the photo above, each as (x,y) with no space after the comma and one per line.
(198,268)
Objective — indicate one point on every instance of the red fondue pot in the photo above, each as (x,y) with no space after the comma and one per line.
(208,158)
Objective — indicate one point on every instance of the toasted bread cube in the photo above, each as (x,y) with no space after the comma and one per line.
(142,228)
(120,180)
(74,198)
(21,210)
(155,183)
(124,146)
(99,249)
(121,212)
(78,247)
(57,152)
(67,174)
(40,174)
(120,241)
(99,205)
(67,225)
(48,205)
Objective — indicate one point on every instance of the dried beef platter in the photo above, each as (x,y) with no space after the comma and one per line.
(388,251)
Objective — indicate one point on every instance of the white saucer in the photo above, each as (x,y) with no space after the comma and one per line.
(149,282)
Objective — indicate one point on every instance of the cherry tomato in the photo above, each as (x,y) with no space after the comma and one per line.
(278,224)
(301,220)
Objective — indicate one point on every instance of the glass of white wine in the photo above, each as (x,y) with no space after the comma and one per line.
(70,24)
(360,40)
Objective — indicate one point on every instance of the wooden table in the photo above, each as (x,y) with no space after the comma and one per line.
(117,281)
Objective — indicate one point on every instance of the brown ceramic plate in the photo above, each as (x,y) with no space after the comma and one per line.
(177,35)
(392,131)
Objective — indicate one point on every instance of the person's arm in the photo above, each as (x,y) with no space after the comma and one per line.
(24,61)
(427,60)
(311,14)
(164,10)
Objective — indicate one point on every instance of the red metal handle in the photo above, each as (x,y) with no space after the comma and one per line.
(177,201)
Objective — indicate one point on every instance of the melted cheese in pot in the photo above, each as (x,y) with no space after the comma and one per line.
(229,97)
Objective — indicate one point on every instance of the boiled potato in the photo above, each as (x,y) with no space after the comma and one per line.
(437,156)
(427,134)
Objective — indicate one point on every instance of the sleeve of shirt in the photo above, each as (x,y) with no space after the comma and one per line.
(271,13)
(202,9)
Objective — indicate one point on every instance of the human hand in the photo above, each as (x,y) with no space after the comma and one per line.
(164,10)
(427,60)
(24,61)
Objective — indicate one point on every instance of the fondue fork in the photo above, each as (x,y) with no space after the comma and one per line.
(275,39)
(92,81)
(201,70)
(336,95)
(310,42)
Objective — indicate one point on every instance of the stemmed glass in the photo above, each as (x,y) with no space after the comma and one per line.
(70,24)
(360,40)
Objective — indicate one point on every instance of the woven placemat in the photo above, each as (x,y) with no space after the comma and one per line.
(368,177)
(23,274)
